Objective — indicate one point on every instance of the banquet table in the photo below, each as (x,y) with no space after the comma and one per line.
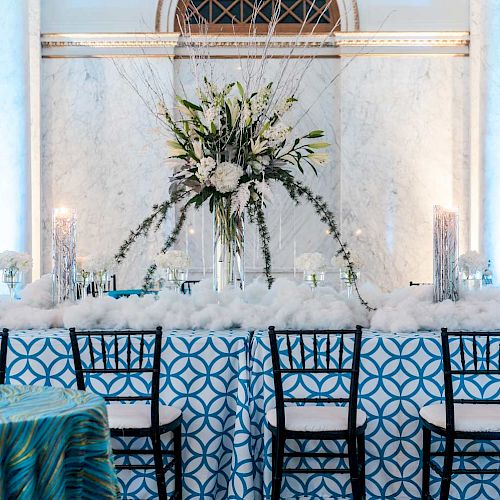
(54,443)
(222,381)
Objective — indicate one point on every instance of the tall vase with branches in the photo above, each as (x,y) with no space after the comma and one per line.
(232,144)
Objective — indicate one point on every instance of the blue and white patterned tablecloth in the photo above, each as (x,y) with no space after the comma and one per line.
(399,374)
(223,383)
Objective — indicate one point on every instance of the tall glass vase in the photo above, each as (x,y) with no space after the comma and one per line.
(229,247)
(64,284)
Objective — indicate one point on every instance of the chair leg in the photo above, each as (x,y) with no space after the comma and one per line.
(178,463)
(278,457)
(447,466)
(353,468)
(361,460)
(426,463)
(160,474)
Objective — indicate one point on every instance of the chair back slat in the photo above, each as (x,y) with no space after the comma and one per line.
(289,347)
(103,352)
(322,363)
(462,353)
(4,340)
(141,352)
(115,343)
(129,352)
(315,348)
(91,349)
(328,351)
(341,351)
(302,351)
(474,351)
(487,353)
(468,367)
(107,347)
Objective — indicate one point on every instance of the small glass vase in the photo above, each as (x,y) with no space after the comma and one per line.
(472,282)
(175,278)
(229,247)
(83,280)
(100,279)
(314,279)
(11,276)
(347,280)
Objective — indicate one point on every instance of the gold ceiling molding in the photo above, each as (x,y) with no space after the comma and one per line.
(342,44)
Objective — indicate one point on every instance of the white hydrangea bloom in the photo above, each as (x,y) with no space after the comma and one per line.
(21,261)
(99,263)
(472,262)
(310,262)
(175,260)
(205,167)
(226,176)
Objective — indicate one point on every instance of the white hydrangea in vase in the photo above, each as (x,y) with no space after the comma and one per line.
(175,264)
(348,271)
(313,266)
(472,264)
(100,266)
(13,265)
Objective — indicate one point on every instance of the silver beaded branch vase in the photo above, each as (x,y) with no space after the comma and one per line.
(229,247)
(64,275)
(446,279)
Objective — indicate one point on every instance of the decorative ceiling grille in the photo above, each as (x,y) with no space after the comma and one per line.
(229,16)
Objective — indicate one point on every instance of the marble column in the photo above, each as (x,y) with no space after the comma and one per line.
(19,35)
(485,128)
(14,125)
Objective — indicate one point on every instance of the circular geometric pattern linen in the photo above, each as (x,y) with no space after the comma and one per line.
(54,443)
(398,375)
(222,382)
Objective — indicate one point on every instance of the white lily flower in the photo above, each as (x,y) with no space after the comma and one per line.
(318,158)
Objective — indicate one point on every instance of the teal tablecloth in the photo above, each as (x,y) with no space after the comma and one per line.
(54,444)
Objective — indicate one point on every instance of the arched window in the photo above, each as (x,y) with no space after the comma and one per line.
(229,16)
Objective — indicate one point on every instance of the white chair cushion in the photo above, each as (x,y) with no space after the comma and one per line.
(138,415)
(316,418)
(468,417)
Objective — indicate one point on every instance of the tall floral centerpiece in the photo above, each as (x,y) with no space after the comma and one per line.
(230,147)
(12,266)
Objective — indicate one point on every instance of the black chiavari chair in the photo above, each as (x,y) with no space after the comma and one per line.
(462,418)
(4,340)
(139,419)
(187,286)
(317,422)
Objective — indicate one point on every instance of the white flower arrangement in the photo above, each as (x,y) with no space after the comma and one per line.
(310,262)
(173,260)
(472,263)
(15,260)
(98,263)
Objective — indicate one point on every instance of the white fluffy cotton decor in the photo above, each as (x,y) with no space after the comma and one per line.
(286,305)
